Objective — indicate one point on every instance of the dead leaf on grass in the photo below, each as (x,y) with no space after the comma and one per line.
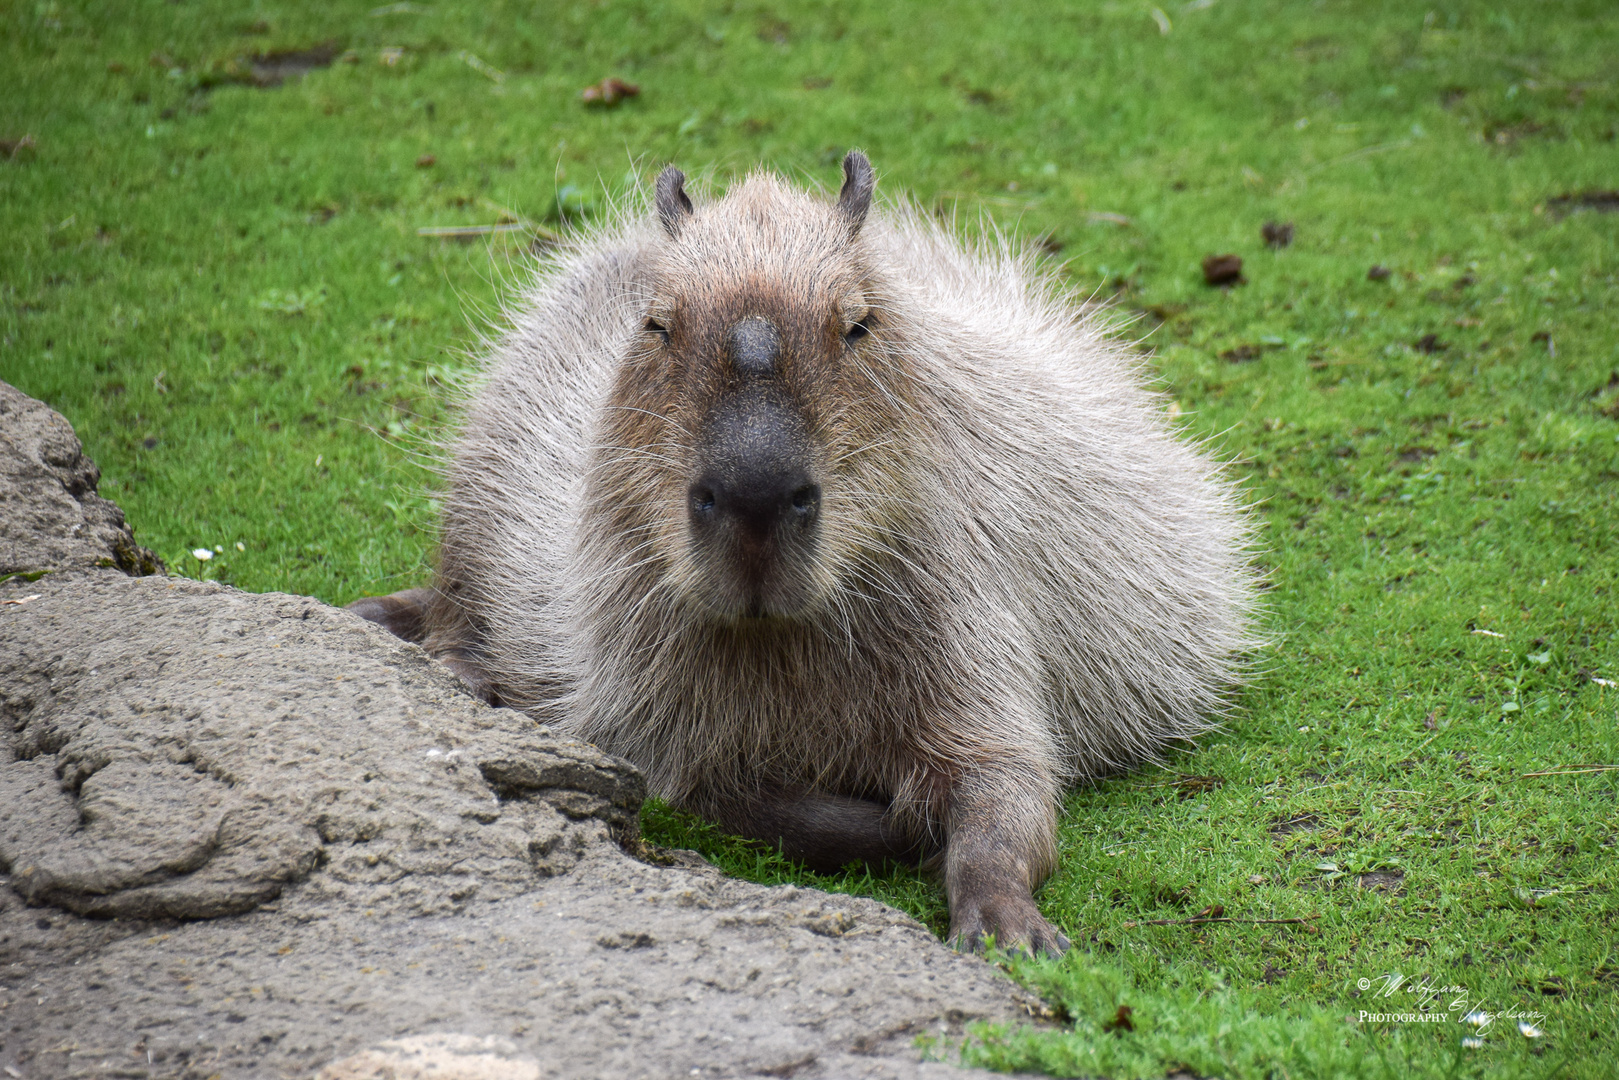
(1277,236)
(1223,270)
(1430,343)
(1379,273)
(608,93)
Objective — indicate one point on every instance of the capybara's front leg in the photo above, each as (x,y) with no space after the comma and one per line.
(1001,845)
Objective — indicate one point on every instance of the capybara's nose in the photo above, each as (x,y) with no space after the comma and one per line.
(755,485)
(757,502)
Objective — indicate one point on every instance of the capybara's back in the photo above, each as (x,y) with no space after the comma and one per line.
(853,537)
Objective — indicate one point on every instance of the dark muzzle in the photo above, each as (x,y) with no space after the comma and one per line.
(757,489)
(755,504)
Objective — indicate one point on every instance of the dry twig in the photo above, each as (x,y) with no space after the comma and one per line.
(1572,770)
(1222,918)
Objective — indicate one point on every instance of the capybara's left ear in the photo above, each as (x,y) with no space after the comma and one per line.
(674,206)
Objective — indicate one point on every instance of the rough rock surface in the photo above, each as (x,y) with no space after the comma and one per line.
(254,836)
(50,514)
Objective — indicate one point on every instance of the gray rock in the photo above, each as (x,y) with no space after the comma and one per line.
(185,750)
(50,514)
(253,835)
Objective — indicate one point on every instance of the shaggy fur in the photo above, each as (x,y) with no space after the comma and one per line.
(1021,576)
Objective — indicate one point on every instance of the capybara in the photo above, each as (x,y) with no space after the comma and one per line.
(856,537)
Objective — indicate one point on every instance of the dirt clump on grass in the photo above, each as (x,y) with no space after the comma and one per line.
(274,68)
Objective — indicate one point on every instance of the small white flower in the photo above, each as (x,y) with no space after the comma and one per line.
(202,553)
(1529,1030)
(240,546)
(1472,1042)
(1478,1018)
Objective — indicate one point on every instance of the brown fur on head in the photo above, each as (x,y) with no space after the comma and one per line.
(761,359)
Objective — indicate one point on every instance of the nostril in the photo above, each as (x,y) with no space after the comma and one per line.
(702,499)
(807,499)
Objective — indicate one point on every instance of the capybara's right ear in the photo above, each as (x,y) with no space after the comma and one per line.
(858,182)
(673,205)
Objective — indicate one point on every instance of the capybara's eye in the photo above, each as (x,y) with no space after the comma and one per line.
(858,330)
(653,326)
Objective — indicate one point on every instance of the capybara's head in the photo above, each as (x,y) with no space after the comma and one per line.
(748,454)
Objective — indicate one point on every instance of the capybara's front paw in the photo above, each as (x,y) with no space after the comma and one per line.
(1014,922)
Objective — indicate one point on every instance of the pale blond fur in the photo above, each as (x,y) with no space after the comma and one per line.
(1026,577)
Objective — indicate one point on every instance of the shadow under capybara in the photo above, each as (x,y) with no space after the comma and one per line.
(855,538)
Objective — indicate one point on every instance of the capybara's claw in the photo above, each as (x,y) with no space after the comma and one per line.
(1015,925)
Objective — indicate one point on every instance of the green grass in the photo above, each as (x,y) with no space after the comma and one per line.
(222,288)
